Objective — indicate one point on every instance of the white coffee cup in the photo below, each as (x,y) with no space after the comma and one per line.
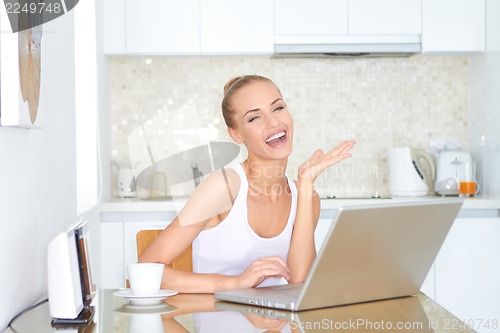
(145,278)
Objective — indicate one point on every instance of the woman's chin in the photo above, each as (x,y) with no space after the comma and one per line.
(280,152)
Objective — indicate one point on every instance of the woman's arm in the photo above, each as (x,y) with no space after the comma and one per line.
(302,248)
(205,208)
(168,246)
(174,239)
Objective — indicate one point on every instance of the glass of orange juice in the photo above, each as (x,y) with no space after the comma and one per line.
(467,178)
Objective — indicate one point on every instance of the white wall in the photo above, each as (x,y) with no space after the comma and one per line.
(485,105)
(38,177)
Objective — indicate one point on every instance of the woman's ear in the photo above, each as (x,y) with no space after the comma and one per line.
(235,135)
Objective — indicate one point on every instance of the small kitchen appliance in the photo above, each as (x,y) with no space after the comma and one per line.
(447,171)
(408,176)
(126,181)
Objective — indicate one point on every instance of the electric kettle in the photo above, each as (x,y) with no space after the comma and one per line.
(408,177)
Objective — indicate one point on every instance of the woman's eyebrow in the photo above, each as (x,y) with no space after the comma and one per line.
(258,109)
(277,100)
(253,110)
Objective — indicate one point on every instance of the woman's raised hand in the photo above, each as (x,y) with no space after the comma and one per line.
(319,161)
(261,269)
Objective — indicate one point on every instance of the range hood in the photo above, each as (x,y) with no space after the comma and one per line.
(347,46)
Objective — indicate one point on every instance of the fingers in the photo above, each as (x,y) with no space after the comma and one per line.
(274,259)
(316,154)
(335,155)
(340,152)
(262,269)
(343,148)
(319,161)
(272,266)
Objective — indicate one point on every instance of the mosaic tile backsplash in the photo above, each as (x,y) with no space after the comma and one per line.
(379,102)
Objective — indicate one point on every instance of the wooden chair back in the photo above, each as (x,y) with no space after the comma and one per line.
(184,262)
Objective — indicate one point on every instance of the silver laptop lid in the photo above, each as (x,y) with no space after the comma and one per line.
(377,252)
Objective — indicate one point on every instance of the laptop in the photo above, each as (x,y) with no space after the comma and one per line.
(371,252)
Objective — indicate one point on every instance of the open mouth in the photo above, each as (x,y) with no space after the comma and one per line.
(276,139)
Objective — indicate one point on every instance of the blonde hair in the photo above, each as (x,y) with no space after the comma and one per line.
(231,87)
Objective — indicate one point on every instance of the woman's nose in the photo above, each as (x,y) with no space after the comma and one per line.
(272,120)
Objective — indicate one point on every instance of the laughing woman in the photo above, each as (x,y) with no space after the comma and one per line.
(250,225)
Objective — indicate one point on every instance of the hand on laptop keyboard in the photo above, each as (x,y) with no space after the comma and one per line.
(262,269)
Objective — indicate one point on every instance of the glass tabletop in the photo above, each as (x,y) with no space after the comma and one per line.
(203,313)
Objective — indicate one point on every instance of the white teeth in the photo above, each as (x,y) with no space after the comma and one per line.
(275,136)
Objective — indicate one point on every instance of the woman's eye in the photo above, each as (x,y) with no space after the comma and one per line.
(279,108)
(252,119)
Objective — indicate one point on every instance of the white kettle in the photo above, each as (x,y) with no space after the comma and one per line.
(407,176)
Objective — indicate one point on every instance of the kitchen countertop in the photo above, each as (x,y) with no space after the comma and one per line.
(133,205)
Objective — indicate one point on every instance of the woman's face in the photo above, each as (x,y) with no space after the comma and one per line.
(262,121)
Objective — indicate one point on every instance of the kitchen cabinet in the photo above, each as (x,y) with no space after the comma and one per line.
(209,27)
(237,26)
(326,21)
(385,17)
(321,231)
(453,26)
(112,254)
(468,272)
(315,17)
(162,26)
(190,27)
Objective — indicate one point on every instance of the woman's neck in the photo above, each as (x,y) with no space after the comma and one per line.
(266,177)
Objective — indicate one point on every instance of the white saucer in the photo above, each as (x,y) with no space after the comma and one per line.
(145,299)
(131,309)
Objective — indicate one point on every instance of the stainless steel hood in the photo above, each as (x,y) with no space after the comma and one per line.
(347,46)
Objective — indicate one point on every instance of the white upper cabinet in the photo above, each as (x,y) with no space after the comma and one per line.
(313,17)
(162,26)
(200,27)
(170,27)
(451,26)
(339,21)
(347,17)
(237,27)
(385,17)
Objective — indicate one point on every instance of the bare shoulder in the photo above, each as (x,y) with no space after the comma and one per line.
(224,180)
(213,196)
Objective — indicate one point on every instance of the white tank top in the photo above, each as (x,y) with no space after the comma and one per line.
(232,245)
